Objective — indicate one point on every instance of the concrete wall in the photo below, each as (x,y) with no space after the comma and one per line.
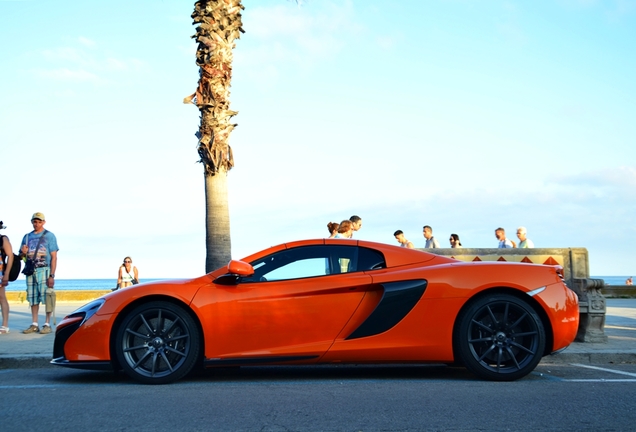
(619,291)
(60,295)
(574,261)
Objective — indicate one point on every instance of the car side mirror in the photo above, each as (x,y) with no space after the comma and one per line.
(240,268)
(235,270)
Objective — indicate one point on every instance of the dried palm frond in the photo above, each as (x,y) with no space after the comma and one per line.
(219,25)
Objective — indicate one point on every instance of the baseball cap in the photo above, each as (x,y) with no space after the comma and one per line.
(38,215)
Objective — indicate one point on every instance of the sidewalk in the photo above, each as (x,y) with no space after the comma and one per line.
(18,350)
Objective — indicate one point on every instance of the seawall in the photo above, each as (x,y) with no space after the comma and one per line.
(60,295)
(609,291)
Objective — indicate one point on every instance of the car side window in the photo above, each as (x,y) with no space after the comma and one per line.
(370,259)
(305,262)
(302,268)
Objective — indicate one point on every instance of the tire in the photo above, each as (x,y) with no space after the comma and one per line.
(500,338)
(157,343)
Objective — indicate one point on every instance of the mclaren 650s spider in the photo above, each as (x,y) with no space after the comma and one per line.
(328,301)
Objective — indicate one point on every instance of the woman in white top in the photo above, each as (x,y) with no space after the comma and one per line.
(126,273)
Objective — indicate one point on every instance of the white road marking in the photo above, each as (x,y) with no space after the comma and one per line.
(619,328)
(601,380)
(604,370)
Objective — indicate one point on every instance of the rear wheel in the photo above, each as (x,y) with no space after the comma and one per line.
(500,337)
(157,343)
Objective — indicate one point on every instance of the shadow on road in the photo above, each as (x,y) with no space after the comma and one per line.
(290,374)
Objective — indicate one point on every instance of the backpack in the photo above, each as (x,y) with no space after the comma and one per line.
(14,271)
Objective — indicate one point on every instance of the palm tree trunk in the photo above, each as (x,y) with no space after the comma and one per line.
(219,25)
(217,221)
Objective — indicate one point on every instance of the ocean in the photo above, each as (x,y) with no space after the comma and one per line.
(106,284)
(75,284)
(612,280)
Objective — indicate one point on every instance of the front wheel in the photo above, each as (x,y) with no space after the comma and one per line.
(157,343)
(500,337)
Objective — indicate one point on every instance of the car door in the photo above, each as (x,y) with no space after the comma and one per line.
(295,304)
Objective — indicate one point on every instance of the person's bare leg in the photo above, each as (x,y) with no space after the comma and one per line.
(4,304)
(35,310)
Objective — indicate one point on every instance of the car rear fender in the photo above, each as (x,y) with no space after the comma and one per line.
(547,325)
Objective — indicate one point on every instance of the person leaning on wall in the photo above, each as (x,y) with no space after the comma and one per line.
(128,274)
(454,241)
(524,241)
(403,241)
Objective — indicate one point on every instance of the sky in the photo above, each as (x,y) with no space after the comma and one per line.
(459,114)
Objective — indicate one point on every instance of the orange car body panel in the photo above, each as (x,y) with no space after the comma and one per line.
(315,316)
(293,317)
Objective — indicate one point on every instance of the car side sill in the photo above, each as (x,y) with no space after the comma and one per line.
(255,360)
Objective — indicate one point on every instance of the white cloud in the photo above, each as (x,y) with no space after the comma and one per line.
(116,64)
(64,74)
(614,10)
(85,63)
(388,42)
(301,36)
(86,42)
(512,32)
(608,183)
(579,3)
(65,54)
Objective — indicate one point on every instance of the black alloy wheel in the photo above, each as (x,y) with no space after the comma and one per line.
(500,337)
(157,343)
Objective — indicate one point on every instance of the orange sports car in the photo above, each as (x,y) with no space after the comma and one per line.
(328,301)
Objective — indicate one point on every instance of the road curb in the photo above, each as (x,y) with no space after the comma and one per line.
(34,361)
(590,358)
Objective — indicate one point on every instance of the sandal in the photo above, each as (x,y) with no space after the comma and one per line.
(4,330)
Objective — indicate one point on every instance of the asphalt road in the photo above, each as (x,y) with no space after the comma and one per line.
(322,398)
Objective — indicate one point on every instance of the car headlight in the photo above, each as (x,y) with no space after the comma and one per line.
(86,311)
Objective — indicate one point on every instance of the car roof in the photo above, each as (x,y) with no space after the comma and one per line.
(394,256)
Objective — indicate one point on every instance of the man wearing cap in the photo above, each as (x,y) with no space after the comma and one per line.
(45,262)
